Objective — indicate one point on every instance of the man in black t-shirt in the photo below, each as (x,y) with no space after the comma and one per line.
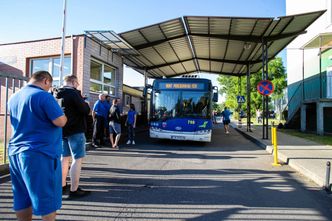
(73,141)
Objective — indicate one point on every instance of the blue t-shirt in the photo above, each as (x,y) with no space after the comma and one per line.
(131,117)
(32,111)
(100,109)
(226,114)
(107,106)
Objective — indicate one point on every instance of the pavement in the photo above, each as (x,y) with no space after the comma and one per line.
(306,157)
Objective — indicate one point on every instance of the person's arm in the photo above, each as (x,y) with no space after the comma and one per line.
(80,104)
(60,121)
(135,116)
(93,115)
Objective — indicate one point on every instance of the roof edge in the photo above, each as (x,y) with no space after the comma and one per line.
(37,40)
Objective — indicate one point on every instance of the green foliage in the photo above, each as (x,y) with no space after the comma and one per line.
(232,86)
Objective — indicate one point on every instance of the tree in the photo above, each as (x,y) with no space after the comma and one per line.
(232,86)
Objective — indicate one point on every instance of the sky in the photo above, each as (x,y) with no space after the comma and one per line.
(22,20)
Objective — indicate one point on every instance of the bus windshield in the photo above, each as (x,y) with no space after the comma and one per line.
(179,104)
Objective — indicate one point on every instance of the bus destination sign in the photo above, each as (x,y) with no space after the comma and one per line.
(188,86)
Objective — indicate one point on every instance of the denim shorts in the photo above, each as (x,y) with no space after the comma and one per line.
(36,180)
(115,128)
(74,145)
(226,122)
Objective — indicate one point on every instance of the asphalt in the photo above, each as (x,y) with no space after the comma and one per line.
(306,157)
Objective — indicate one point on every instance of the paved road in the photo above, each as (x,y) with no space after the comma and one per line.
(227,179)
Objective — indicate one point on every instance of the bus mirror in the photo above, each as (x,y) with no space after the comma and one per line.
(215,94)
(215,97)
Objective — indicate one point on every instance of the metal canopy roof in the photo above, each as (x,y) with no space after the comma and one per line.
(219,45)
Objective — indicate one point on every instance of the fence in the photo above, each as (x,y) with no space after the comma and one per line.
(9,85)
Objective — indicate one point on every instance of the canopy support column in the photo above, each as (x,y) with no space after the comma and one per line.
(145,101)
(248,99)
(239,104)
(265,76)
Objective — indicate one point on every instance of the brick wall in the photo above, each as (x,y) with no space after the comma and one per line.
(94,50)
(14,60)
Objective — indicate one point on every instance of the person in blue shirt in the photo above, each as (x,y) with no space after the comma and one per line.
(99,114)
(35,149)
(108,104)
(131,124)
(226,119)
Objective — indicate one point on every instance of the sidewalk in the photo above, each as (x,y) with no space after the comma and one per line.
(306,157)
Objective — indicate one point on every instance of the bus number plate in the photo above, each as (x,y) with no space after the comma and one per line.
(177,137)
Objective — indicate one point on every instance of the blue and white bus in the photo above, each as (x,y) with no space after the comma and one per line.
(181,109)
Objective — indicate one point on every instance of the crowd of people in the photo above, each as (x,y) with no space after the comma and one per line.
(48,134)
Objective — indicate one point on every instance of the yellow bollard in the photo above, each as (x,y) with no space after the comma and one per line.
(272,134)
(275,148)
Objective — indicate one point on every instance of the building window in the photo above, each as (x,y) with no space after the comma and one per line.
(102,78)
(127,100)
(52,65)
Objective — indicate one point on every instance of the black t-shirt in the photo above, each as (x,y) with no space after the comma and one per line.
(115,114)
(75,109)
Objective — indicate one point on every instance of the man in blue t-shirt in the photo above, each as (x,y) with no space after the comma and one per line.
(35,149)
(226,119)
(99,114)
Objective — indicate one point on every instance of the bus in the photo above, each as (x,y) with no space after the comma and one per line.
(181,109)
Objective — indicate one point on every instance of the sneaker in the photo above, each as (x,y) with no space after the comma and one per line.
(227,132)
(78,193)
(66,189)
(128,142)
(133,143)
(94,145)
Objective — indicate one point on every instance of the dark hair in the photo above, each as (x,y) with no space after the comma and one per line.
(132,106)
(40,76)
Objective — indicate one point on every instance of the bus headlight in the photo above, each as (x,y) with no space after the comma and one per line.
(155,129)
(203,132)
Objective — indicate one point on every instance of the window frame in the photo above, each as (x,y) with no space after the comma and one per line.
(101,82)
(50,65)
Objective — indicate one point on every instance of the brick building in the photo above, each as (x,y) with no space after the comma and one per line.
(98,69)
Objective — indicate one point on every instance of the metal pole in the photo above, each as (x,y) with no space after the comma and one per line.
(145,109)
(303,96)
(263,97)
(320,68)
(267,97)
(239,104)
(5,127)
(248,99)
(13,85)
(327,177)
(63,41)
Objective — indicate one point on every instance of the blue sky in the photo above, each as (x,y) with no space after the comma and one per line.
(23,20)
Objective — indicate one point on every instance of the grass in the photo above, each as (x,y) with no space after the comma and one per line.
(325,140)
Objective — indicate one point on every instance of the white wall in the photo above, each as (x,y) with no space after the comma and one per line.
(321,25)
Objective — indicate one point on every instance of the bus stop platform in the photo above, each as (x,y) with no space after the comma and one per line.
(305,156)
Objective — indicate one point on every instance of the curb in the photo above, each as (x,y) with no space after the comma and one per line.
(252,139)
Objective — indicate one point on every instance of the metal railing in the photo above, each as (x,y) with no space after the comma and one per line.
(296,100)
(9,85)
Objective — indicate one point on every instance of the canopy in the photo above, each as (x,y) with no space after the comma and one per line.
(218,45)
